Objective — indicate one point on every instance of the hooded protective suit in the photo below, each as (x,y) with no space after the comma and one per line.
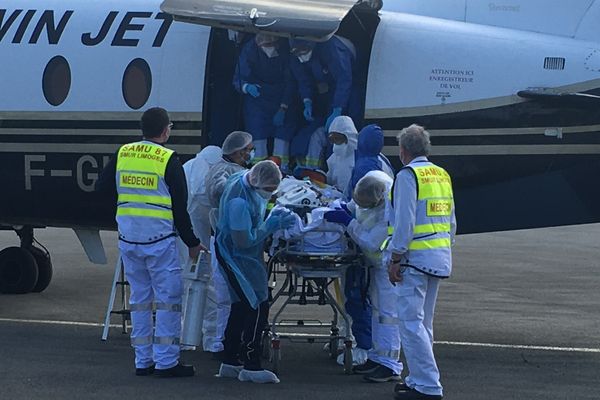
(341,163)
(368,155)
(198,205)
(267,83)
(369,230)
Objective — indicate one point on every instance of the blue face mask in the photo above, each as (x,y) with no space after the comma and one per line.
(265,194)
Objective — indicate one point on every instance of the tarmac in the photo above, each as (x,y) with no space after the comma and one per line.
(519,319)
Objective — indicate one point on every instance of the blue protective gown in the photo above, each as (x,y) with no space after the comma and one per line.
(370,144)
(243,210)
(332,66)
(277,87)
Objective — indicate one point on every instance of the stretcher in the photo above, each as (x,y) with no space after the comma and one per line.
(309,278)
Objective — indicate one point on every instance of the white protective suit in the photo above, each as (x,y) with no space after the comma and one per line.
(218,303)
(369,230)
(198,206)
(341,163)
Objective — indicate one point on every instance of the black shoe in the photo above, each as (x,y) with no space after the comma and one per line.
(365,368)
(178,371)
(412,394)
(401,387)
(144,371)
(382,374)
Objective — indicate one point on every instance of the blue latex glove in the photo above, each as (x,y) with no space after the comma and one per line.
(253,90)
(338,216)
(308,110)
(279,117)
(344,207)
(280,220)
(334,114)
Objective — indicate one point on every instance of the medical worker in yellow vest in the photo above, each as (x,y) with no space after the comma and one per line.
(368,226)
(420,256)
(151,213)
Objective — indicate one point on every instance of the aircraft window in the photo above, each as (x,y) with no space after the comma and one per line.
(56,81)
(137,83)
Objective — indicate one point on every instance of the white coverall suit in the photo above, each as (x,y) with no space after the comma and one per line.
(424,229)
(147,242)
(218,302)
(369,230)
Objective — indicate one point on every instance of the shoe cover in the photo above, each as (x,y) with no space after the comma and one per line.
(340,347)
(186,347)
(229,371)
(359,357)
(263,376)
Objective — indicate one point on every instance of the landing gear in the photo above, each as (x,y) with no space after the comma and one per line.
(26,268)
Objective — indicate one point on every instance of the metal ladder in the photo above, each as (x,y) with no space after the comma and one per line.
(119,284)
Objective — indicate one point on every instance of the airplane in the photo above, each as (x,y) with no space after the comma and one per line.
(509,90)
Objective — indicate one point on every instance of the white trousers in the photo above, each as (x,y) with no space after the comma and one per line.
(416,296)
(281,149)
(154,275)
(316,148)
(218,306)
(201,223)
(384,328)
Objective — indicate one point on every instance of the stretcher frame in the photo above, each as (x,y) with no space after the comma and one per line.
(308,275)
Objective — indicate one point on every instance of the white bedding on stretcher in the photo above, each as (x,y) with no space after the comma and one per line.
(316,236)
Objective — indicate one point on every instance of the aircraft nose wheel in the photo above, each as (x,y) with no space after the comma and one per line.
(18,271)
(44,264)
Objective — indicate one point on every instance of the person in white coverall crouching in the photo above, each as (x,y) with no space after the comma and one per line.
(367,220)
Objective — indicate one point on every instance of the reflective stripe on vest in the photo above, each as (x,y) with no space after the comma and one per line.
(430,249)
(140,198)
(144,202)
(435,193)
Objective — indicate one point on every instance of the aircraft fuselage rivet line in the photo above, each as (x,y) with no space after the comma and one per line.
(443,343)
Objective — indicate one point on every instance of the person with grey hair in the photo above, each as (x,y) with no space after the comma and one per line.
(237,149)
(419,256)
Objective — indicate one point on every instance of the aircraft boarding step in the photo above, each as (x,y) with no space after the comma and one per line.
(119,284)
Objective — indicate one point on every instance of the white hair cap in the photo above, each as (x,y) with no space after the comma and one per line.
(235,141)
(265,174)
(371,189)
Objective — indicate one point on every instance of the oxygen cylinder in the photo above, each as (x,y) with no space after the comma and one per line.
(196,277)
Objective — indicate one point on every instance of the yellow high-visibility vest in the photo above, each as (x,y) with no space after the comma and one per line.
(144,204)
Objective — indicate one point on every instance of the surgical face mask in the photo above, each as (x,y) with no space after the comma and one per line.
(270,51)
(341,149)
(265,194)
(303,58)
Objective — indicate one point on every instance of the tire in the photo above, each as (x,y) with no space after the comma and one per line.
(44,264)
(18,271)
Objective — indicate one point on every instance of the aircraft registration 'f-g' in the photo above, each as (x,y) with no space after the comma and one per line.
(509,90)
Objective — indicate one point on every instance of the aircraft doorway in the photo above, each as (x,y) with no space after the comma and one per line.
(223,105)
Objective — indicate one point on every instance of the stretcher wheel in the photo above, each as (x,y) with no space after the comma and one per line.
(275,355)
(266,346)
(348,357)
(333,348)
